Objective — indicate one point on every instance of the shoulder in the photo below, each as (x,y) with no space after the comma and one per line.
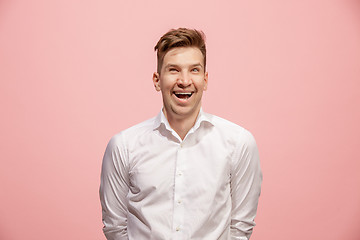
(245,152)
(132,133)
(232,131)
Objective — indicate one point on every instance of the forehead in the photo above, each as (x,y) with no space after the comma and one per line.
(183,55)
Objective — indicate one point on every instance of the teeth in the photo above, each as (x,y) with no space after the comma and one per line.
(183,94)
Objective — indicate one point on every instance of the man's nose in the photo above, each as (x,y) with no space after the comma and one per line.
(184,79)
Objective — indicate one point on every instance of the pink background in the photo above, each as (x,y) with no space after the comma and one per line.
(73,73)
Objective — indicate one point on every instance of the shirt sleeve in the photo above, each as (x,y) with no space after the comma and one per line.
(245,183)
(114,188)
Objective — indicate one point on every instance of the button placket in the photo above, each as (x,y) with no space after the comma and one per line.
(179,190)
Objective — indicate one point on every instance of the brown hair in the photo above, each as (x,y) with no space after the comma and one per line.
(181,37)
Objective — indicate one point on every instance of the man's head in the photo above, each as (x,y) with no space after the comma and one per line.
(181,37)
(181,75)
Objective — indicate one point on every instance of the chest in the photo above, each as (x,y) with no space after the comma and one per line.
(160,167)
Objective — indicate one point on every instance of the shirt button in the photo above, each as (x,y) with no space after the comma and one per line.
(179,173)
(179,201)
(177,229)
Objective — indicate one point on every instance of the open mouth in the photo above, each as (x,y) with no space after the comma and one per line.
(183,95)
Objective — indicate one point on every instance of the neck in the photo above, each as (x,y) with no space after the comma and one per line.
(181,124)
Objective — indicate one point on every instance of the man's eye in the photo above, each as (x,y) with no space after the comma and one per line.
(195,70)
(173,70)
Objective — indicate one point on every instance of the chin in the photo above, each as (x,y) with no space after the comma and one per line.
(184,111)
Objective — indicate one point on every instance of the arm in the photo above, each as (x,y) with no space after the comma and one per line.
(114,189)
(246,178)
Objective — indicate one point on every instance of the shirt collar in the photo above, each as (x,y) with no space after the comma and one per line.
(201,118)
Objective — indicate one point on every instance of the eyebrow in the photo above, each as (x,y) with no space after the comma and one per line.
(197,65)
(192,65)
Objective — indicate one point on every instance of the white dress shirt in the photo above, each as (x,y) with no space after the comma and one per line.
(156,186)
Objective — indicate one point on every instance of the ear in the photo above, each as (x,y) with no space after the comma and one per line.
(156,81)
(206,80)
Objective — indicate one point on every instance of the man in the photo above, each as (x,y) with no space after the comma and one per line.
(184,174)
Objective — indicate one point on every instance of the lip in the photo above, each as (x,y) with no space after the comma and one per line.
(183,92)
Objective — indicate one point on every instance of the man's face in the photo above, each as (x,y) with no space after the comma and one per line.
(182,80)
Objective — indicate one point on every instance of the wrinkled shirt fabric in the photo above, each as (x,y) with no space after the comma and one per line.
(156,186)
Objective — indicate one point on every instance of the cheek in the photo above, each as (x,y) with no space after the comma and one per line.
(167,83)
(201,85)
(165,87)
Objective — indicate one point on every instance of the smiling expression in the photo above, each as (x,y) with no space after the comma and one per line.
(182,80)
